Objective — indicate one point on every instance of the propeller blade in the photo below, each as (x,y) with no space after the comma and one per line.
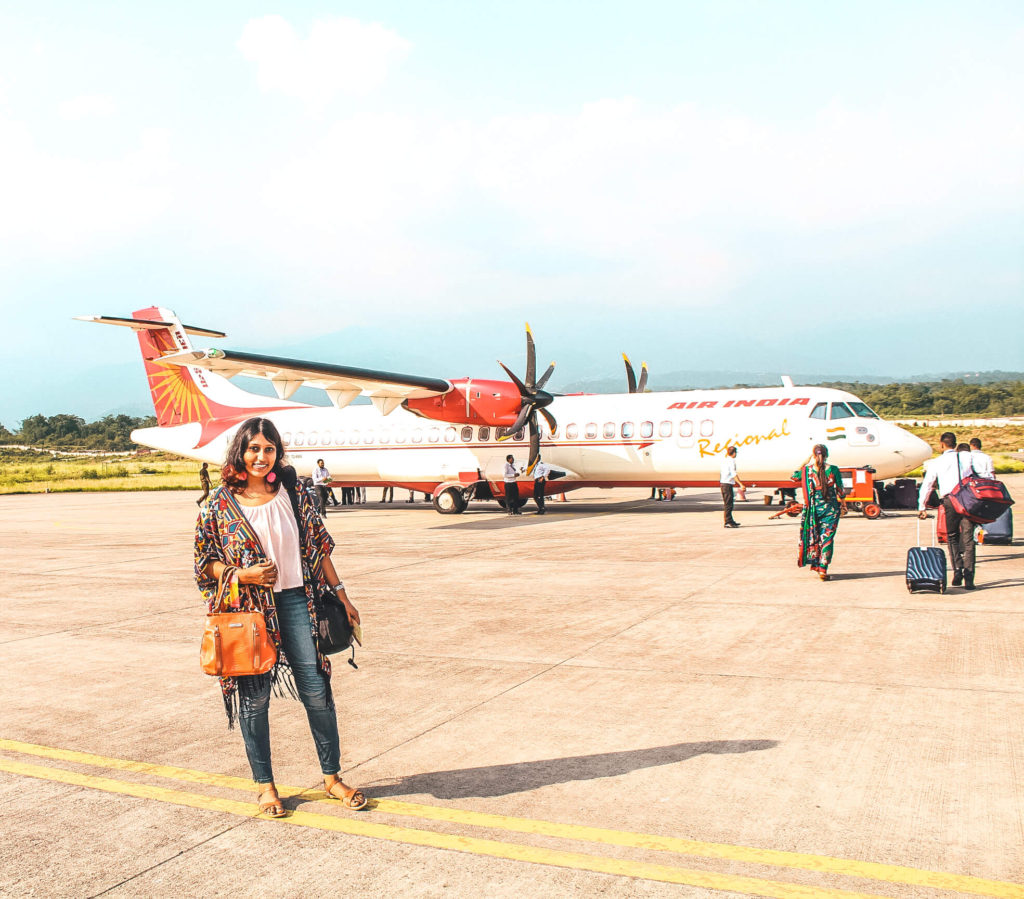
(524,414)
(550,419)
(523,392)
(643,378)
(630,374)
(531,359)
(544,377)
(534,444)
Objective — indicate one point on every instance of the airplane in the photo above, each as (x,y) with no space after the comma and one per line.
(449,437)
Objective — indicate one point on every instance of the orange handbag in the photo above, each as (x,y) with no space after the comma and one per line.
(235,644)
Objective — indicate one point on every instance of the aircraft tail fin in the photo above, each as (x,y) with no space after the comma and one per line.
(183,394)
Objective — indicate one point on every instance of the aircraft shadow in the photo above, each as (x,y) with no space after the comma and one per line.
(521,777)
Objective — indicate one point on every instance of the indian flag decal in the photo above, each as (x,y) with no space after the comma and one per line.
(836,433)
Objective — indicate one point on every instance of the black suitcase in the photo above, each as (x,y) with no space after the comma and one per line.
(926,567)
(1000,531)
(905,493)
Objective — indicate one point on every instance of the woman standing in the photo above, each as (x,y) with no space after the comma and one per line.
(249,523)
(823,501)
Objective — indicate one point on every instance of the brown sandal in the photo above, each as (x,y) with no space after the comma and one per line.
(350,797)
(274,808)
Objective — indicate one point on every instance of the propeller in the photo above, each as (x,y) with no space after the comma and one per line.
(534,399)
(634,385)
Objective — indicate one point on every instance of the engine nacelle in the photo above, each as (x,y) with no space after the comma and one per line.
(472,402)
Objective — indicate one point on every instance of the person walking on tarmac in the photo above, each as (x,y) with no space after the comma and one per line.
(728,482)
(511,486)
(540,478)
(204,482)
(944,472)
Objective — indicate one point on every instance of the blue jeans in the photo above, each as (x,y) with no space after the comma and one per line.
(313,687)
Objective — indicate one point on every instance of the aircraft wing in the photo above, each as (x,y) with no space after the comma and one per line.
(342,383)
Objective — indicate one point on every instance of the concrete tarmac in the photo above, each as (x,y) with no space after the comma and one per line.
(621,698)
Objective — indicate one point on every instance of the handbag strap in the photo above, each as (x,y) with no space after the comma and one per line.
(224,586)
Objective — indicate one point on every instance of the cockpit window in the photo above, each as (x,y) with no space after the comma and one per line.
(862,410)
(840,410)
(819,411)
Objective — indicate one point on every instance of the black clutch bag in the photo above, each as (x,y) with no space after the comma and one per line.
(334,631)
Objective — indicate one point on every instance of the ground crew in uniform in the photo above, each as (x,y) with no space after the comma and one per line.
(321,478)
(540,478)
(728,482)
(943,473)
(204,482)
(511,485)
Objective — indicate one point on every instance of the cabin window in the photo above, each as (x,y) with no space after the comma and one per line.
(434,435)
(286,438)
(554,431)
(840,410)
(385,436)
(572,431)
(591,430)
(627,430)
(313,438)
(400,435)
(686,428)
(665,429)
(449,435)
(485,433)
(819,411)
(300,439)
(368,436)
(326,438)
(609,430)
(340,437)
(467,435)
(707,428)
(519,434)
(353,438)
(862,410)
(646,429)
(417,435)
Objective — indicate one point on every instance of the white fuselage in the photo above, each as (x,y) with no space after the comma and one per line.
(673,438)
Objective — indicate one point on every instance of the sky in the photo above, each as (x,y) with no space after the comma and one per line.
(731,186)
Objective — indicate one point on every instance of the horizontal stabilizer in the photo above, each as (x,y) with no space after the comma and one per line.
(139,324)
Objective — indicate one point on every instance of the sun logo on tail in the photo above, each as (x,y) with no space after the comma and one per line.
(176,396)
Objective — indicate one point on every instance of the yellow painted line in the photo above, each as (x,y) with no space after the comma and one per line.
(778,858)
(512,851)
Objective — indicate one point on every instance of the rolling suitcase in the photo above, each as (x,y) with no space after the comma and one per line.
(999,531)
(926,566)
(940,524)
(905,494)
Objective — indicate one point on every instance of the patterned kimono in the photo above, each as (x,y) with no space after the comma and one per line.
(224,534)
(820,521)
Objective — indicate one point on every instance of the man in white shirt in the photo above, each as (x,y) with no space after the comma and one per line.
(728,482)
(983,465)
(540,478)
(944,473)
(321,478)
(511,486)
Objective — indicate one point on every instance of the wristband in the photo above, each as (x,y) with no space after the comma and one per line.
(338,586)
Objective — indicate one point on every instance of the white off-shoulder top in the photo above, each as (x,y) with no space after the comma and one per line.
(274,523)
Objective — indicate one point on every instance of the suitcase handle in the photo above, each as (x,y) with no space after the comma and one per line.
(935,530)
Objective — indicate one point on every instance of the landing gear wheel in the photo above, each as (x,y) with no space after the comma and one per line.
(450,501)
(872,511)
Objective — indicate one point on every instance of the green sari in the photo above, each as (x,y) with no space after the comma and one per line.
(822,508)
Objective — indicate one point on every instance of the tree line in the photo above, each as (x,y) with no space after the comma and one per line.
(945,399)
(112,433)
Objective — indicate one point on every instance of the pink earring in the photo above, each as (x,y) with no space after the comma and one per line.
(271,478)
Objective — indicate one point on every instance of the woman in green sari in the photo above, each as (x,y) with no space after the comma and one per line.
(823,504)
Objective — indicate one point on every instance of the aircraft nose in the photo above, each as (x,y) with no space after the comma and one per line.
(911,448)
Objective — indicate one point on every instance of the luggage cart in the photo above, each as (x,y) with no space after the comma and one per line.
(859,484)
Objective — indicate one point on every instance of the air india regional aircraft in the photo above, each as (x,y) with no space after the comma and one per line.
(449,438)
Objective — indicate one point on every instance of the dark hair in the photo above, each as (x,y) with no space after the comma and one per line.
(962,448)
(948,439)
(819,465)
(976,443)
(233,474)
(509,457)
(731,451)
